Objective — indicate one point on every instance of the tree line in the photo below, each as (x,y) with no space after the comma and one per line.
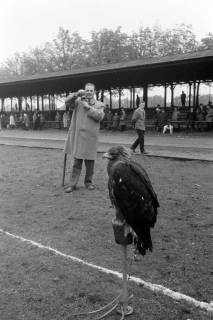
(68,51)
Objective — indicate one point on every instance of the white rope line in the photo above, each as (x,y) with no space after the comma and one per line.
(148,285)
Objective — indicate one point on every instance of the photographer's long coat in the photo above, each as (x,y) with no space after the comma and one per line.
(82,137)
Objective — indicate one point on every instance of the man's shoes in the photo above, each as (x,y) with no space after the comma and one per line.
(90,186)
(144,152)
(70,189)
(132,150)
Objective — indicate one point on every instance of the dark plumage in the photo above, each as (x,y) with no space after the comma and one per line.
(132,194)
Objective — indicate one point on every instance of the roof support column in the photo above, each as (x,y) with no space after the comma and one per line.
(54,106)
(110,99)
(197,95)
(27,104)
(37,103)
(190,94)
(49,102)
(31,103)
(102,95)
(19,104)
(145,96)
(2,104)
(25,100)
(42,103)
(133,97)
(172,95)
(194,94)
(97,94)
(119,97)
(130,104)
(165,95)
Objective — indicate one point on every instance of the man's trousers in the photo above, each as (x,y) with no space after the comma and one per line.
(76,171)
(139,140)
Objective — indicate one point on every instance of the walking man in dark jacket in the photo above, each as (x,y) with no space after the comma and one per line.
(138,119)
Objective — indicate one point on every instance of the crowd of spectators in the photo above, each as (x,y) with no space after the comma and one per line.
(204,113)
(164,120)
(34,120)
(113,119)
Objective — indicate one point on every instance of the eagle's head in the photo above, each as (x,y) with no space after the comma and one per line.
(117,153)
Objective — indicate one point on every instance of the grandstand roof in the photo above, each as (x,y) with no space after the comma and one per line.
(147,71)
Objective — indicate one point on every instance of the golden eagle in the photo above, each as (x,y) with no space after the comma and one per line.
(132,194)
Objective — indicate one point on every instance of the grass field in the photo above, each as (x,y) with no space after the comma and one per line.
(39,285)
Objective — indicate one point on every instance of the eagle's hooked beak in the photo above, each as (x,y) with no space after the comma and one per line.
(107,155)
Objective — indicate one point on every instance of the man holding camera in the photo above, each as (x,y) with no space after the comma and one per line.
(82,138)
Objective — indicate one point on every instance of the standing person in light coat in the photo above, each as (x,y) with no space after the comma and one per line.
(138,119)
(12,121)
(1,116)
(82,138)
(65,119)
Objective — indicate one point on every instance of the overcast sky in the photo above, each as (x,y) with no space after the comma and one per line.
(25,24)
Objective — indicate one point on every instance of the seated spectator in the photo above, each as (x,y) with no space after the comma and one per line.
(209,114)
(38,121)
(103,123)
(106,109)
(115,122)
(199,113)
(26,122)
(122,124)
(69,116)
(58,120)
(163,117)
(65,119)
(109,120)
(34,120)
(42,120)
(4,120)
(20,118)
(157,117)
(210,104)
(1,116)
(16,118)
(191,116)
(168,127)
(204,112)
(175,114)
(12,123)
(27,106)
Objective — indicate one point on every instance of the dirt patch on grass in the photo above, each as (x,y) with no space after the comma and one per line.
(36,284)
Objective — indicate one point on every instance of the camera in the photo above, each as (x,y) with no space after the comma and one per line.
(82,94)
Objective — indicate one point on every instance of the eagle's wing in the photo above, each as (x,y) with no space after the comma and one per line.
(133,195)
(141,172)
(111,194)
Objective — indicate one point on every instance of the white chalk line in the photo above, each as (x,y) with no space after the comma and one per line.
(148,285)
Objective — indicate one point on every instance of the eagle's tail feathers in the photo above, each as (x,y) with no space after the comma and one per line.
(143,243)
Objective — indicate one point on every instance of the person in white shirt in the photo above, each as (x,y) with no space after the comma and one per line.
(12,121)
